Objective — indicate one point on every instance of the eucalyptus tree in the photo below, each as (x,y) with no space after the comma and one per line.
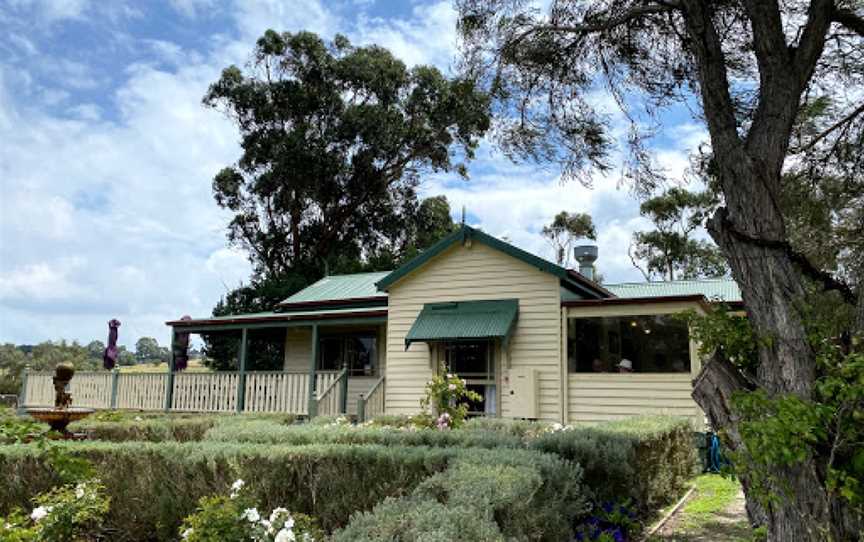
(671,250)
(334,140)
(564,230)
(749,69)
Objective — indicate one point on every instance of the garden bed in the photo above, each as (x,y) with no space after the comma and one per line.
(489,480)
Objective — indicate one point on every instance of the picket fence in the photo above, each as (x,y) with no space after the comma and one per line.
(255,391)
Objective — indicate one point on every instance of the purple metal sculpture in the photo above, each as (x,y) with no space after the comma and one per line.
(181,348)
(109,358)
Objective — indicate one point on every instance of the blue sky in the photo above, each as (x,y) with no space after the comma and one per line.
(107,156)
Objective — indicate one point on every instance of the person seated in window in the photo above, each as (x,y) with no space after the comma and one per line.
(625,366)
(598,366)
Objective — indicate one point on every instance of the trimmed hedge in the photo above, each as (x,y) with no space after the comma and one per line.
(530,496)
(647,460)
(424,520)
(147,429)
(265,432)
(154,486)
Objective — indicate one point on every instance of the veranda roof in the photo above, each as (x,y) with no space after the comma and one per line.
(715,290)
(465,320)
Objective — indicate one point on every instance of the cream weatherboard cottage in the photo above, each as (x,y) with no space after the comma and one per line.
(534,339)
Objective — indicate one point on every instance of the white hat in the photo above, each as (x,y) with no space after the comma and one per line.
(626,364)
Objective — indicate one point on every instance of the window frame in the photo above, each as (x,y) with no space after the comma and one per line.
(344,338)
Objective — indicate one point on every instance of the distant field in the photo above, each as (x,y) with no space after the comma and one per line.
(195,366)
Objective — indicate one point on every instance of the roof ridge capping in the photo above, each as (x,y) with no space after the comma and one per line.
(465,233)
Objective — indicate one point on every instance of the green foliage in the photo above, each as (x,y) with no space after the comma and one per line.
(530,496)
(670,251)
(41,357)
(334,138)
(448,396)
(235,517)
(730,334)
(148,349)
(146,429)
(647,460)
(154,486)
(63,514)
(564,230)
(266,432)
(419,519)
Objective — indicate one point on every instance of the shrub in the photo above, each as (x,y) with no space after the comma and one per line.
(146,429)
(235,517)
(531,496)
(69,512)
(448,396)
(265,432)
(419,519)
(154,486)
(646,460)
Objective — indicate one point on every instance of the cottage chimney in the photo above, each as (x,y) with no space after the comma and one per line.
(586,255)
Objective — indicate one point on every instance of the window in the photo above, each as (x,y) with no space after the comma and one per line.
(652,344)
(474,362)
(358,350)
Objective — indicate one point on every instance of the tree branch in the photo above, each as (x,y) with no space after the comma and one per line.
(714,82)
(849,19)
(845,120)
(602,26)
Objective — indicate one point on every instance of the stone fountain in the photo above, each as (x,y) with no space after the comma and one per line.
(63,412)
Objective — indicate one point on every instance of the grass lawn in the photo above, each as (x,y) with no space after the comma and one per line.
(196,365)
(715,511)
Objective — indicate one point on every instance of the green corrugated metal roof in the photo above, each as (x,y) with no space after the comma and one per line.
(714,289)
(340,288)
(464,320)
(287,316)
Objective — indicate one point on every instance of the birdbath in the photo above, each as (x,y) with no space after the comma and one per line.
(63,413)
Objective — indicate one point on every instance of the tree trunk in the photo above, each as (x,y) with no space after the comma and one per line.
(750,231)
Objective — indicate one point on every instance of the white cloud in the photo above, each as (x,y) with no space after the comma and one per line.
(106,208)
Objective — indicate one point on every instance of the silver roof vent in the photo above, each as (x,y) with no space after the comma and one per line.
(586,255)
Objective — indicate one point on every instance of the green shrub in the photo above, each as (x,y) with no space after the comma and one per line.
(266,432)
(410,519)
(154,486)
(147,429)
(647,460)
(69,512)
(236,517)
(531,496)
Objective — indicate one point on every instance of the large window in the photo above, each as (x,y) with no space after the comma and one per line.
(358,350)
(651,344)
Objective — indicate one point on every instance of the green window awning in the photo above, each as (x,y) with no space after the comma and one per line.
(465,320)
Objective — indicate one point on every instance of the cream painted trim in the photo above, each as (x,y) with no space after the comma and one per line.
(636,309)
(565,383)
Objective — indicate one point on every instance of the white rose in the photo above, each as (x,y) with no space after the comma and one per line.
(274,515)
(40,512)
(251,515)
(284,535)
(187,533)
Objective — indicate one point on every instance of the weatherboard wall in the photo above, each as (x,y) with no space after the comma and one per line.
(478,272)
(298,351)
(597,397)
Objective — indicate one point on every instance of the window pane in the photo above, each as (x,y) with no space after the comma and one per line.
(361,354)
(652,344)
(330,356)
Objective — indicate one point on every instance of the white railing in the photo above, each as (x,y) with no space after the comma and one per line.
(277,392)
(270,391)
(91,390)
(371,403)
(205,392)
(332,396)
(140,391)
(38,390)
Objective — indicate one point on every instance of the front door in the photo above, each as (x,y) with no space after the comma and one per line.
(474,361)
